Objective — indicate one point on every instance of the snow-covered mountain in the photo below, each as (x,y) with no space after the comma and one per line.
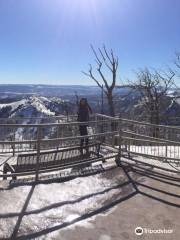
(28,101)
(30,110)
(35,107)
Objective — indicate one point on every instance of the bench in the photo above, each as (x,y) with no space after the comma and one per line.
(65,157)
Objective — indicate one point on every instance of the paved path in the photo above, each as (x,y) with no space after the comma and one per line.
(106,206)
(151,209)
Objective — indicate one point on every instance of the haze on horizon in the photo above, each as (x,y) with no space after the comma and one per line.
(48,41)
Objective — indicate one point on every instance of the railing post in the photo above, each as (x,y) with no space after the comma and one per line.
(118,161)
(14,149)
(113,128)
(58,136)
(96,123)
(13,144)
(166,152)
(38,151)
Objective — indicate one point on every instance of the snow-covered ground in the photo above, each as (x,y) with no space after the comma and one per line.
(34,211)
(86,208)
(47,206)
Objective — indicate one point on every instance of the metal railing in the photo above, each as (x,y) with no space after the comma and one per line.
(51,136)
(149,140)
(122,135)
(16,138)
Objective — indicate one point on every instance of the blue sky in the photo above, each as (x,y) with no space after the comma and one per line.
(48,41)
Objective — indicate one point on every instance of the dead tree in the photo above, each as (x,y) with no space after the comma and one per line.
(153,87)
(102,100)
(105,60)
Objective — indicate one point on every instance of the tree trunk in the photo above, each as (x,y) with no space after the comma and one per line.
(111,111)
(111,104)
(157,119)
(154,119)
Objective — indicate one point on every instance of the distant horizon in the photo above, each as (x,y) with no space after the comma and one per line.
(46,84)
(68,85)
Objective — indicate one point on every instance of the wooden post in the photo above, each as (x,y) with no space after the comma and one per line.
(13,144)
(113,129)
(102,99)
(58,136)
(118,160)
(166,151)
(96,123)
(14,149)
(38,151)
(62,132)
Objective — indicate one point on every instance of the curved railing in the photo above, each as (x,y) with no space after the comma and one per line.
(150,141)
(128,138)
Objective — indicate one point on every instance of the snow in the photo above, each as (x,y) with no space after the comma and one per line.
(30,107)
(39,105)
(177,100)
(14,105)
(170,93)
(54,204)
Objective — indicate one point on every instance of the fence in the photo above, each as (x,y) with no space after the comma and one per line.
(148,140)
(16,138)
(118,136)
(36,138)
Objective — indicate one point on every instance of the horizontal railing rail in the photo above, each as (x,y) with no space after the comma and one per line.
(144,137)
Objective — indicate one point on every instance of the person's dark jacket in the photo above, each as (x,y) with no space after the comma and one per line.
(83,113)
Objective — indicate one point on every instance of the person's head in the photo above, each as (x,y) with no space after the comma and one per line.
(83,102)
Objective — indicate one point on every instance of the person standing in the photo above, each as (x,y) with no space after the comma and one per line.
(84,110)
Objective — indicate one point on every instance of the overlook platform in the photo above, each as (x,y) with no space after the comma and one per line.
(133,181)
(110,138)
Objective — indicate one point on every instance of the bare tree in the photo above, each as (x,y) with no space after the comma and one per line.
(108,60)
(153,86)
